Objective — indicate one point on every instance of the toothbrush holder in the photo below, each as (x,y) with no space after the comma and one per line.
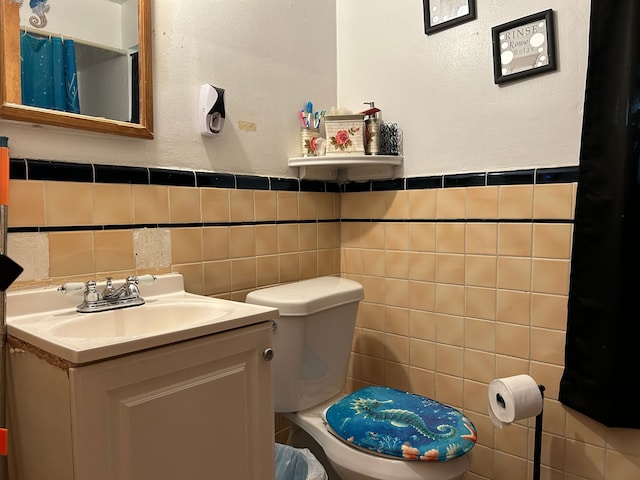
(311,142)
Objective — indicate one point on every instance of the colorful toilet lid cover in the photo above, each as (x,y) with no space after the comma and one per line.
(402,425)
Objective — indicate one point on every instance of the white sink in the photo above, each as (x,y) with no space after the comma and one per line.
(48,320)
(149,319)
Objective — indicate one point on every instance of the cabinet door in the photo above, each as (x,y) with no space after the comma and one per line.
(200,409)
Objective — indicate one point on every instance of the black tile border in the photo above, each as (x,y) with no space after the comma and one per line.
(387,185)
(355,187)
(131,226)
(423,183)
(34,169)
(120,174)
(62,171)
(18,168)
(520,177)
(174,178)
(313,186)
(252,182)
(217,180)
(285,184)
(529,176)
(556,175)
(465,180)
(332,187)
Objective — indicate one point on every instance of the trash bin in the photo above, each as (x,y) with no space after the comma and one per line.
(297,464)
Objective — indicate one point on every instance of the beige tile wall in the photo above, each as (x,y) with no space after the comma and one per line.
(225,258)
(471,285)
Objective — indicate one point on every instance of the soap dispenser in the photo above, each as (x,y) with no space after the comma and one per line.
(372,130)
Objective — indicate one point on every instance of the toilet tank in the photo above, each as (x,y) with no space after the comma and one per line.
(312,338)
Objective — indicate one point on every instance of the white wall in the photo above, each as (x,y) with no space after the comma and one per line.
(96,21)
(440,88)
(129,23)
(273,56)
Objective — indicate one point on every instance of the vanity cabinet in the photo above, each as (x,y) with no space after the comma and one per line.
(197,409)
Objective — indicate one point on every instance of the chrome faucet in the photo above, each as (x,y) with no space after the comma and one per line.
(128,290)
(127,295)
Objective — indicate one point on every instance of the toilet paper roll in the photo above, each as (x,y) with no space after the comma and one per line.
(513,398)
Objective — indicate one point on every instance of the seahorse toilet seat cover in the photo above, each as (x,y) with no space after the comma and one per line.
(402,425)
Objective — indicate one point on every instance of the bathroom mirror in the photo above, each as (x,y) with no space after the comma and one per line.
(132,59)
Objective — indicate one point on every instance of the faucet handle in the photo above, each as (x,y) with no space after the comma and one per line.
(91,293)
(147,279)
(131,284)
(72,288)
(141,280)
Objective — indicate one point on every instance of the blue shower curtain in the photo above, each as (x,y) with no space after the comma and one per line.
(49,77)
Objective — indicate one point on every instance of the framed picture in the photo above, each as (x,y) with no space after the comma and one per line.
(442,14)
(524,47)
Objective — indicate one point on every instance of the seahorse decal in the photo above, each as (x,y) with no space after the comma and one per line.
(370,408)
(40,9)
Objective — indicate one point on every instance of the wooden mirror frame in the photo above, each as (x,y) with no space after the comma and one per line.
(10,82)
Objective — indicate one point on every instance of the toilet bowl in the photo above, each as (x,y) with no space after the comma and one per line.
(312,341)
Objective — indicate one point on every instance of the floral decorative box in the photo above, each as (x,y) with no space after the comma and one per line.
(345,134)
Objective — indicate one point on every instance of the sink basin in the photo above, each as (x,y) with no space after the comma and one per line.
(151,318)
(49,321)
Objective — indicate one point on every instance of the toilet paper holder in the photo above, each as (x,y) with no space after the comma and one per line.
(537,437)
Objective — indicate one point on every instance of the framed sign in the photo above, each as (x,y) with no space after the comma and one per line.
(524,47)
(442,14)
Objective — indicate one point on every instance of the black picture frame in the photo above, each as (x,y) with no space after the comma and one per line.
(524,47)
(443,14)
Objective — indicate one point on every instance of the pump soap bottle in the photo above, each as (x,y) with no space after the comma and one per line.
(372,130)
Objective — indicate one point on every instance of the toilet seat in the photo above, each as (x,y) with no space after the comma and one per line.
(356,464)
(392,423)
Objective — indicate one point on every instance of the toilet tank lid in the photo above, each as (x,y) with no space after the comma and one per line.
(308,296)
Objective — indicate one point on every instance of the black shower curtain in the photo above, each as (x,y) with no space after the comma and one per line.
(603,330)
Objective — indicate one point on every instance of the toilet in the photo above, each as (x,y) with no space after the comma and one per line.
(376,433)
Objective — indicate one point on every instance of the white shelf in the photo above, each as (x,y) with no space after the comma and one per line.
(354,167)
(344,161)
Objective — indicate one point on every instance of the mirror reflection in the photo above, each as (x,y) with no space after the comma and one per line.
(77,59)
(72,66)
